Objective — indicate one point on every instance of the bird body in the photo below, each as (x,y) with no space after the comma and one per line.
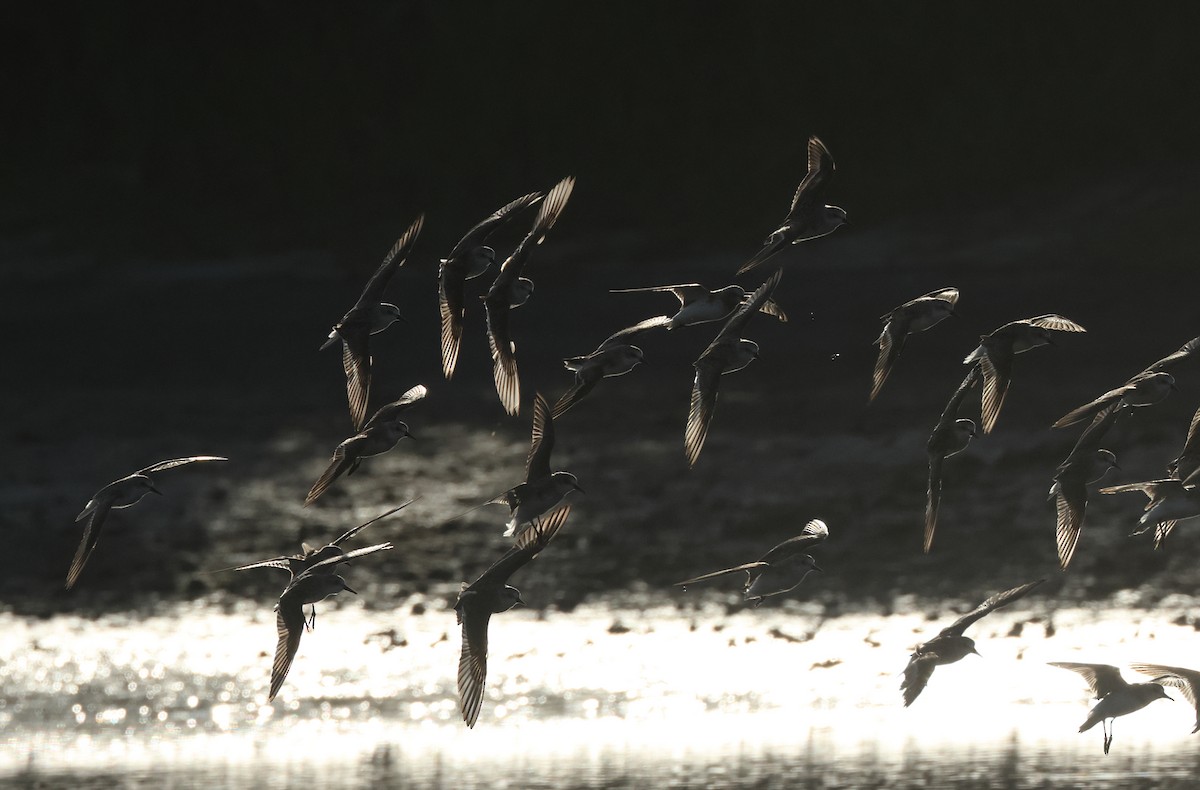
(950,645)
(542,490)
(1186,680)
(909,318)
(809,217)
(1117,696)
(122,493)
(369,315)
(996,351)
(614,357)
(727,353)
(788,561)
(698,305)
(376,440)
(950,437)
(492,594)
(1170,501)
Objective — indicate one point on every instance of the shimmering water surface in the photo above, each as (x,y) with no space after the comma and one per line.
(652,695)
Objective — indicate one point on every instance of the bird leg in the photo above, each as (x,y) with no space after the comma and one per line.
(311,623)
(1107,724)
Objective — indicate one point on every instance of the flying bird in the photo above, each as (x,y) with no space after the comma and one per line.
(950,437)
(296,564)
(470,258)
(375,440)
(492,594)
(1117,696)
(542,490)
(1144,389)
(510,290)
(996,351)
(1087,464)
(369,315)
(726,354)
(119,494)
(391,412)
(698,305)
(809,217)
(312,586)
(1171,501)
(1186,680)
(950,645)
(616,356)
(787,563)
(909,318)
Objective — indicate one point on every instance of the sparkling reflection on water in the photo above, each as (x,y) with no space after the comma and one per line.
(604,697)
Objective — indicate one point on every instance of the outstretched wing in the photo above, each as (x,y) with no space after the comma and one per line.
(472,662)
(1055,322)
(950,413)
(91,536)
(1070,503)
(1102,679)
(1185,351)
(820,170)
(289,625)
(736,323)
(933,498)
(174,462)
(997,373)
(391,410)
(337,465)
(572,396)
(916,675)
(749,566)
(537,464)
(543,527)
(620,337)
(997,601)
(478,234)
(1186,680)
(814,532)
(701,408)
(345,536)
(372,293)
(356,362)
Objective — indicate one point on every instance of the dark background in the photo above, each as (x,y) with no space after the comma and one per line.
(190,195)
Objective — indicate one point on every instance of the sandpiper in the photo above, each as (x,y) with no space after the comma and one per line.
(698,305)
(950,437)
(1171,501)
(907,319)
(119,494)
(995,355)
(510,290)
(376,440)
(491,594)
(616,356)
(788,561)
(1117,696)
(312,586)
(727,353)
(542,490)
(469,259)
(1144,389)
(1187,465)
(809,217)
(950,645)
(369,315)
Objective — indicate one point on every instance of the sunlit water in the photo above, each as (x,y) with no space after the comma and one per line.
(605,696)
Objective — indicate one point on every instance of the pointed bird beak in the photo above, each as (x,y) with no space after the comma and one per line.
(520,601)
(347,586)
(156,491)
(580,490)
(410,436)
(976,652)
(817,567)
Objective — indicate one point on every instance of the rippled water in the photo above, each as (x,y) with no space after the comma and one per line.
(606,696)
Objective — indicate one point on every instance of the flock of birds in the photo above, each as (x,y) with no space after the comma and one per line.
(537,506)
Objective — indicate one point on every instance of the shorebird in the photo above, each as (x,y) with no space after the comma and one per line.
(614,357)
(809,217)
(781,565)
(1186,680)
(375,440)
(1171,501)
(950,645)
(1117,696)
(542,490)
(470,258)
(296,564)
(698,305)
(995,354)
(1087,464)
(909,318)
(312,586)
(369,315)
(1144,389)
(510,290)
(950,437)
(119,494)
(492,594)
(1186,466)
(727,353)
